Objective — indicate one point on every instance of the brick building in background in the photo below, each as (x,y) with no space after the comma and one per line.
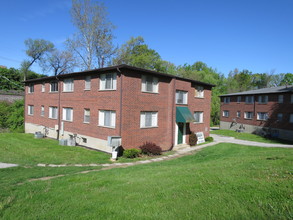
(137,104)
(267,111)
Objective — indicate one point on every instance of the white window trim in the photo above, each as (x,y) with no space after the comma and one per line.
(239,114)
(87,83)
(43,87)
(199,92)
(155,84)
(154,118)
(102,118)
(245,115)
(84,115)
(291,98)
(30,110)
(103,82)
(42,111)
(260,114)
(224,113)
(51,86)
(68,85)
(64,114)
(31,88)
(200,117)
(51,111)
(185,97)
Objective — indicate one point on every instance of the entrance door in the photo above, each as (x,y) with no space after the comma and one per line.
(180,133)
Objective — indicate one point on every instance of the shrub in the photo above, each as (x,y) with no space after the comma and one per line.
(192,139)
(131,153)
(150,148)
(15,118)
(209,139)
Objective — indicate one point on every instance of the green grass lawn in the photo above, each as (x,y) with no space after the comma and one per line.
(248,137)
(23,149)
(225,181)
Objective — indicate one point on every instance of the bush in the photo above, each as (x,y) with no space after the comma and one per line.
(15,118)
(150,148)
(209,139)
(192,139)
(131,153)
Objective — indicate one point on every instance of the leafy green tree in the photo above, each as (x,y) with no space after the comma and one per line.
(10,79)
(287,80)
(4,113)
(15,119)
(261,80)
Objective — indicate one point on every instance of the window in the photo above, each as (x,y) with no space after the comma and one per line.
(199,92)
(68,85)
(181,97)
(238,114)
(249,99)
(87,114)
(54,87)
(238,99)
(53,112)
(31,88)
(225,113)
(262,99)
(280,98)
(87,83)
(42,110)
(227,100)
(291,99)
(262,116)
(30,110)
(291,118)
(148,119)
(107,118)
(149,84)
(43,87)
(280,117)
(248,115)
(108,81)
(198,116)
(67,114)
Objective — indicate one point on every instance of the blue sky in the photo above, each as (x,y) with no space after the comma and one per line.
(255,35)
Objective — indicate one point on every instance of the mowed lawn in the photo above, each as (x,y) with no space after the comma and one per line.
(225,181)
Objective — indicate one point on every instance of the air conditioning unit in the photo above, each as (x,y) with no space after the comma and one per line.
(71,141)
(63,142)
(39,134)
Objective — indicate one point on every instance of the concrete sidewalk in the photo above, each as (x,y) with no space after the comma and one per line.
(225,139)
(7,165)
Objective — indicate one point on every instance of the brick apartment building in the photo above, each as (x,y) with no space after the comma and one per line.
(267,111)
(136,104)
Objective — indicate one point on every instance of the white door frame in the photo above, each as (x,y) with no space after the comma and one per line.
(176,134)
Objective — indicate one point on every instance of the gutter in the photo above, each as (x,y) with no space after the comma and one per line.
(59,105)
(120,124)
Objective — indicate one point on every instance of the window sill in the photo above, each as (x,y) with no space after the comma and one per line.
(86,122)
(261,119)
(181,103)
(248,118)
(106,126)
(67,120)
(105,90)
(149,92)
(87,89)
(53,92)
(30,114)
(67,91)
(53,118)
(197,122)
(149,127)
(198,97)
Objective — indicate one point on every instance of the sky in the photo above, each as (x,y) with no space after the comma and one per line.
(225,34)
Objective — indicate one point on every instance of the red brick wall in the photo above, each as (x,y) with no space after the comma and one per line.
(272,108)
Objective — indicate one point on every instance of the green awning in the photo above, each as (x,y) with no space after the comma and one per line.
(184,115)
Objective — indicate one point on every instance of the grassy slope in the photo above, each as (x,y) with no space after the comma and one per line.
(248,137)
(23,149)
(225,181)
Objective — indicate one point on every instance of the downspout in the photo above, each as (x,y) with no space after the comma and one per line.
(120,124)
(59,110)
(173,107)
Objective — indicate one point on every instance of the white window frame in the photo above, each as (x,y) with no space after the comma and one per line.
(238,99)
(199,92)
(43,87)
(30,110)
(146,116)
(184,97)
(263,99)
(227,100)
(87,83)
(246,114)
(262,116)
(280,117)
(199,118)
(31,88)
(86,115)
(280,98)
(53,112)
(55,87)
(249,99)
(292,99)
(42,110)
(68,85)
(238,114)
(112,77)
(226,113)
(149,84)
(67,114)
(102,118)
(291,118)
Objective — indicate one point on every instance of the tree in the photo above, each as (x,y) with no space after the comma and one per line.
(261,80)
(36,49)
(288,79)
(136,53)
(93,40)
(59,61)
